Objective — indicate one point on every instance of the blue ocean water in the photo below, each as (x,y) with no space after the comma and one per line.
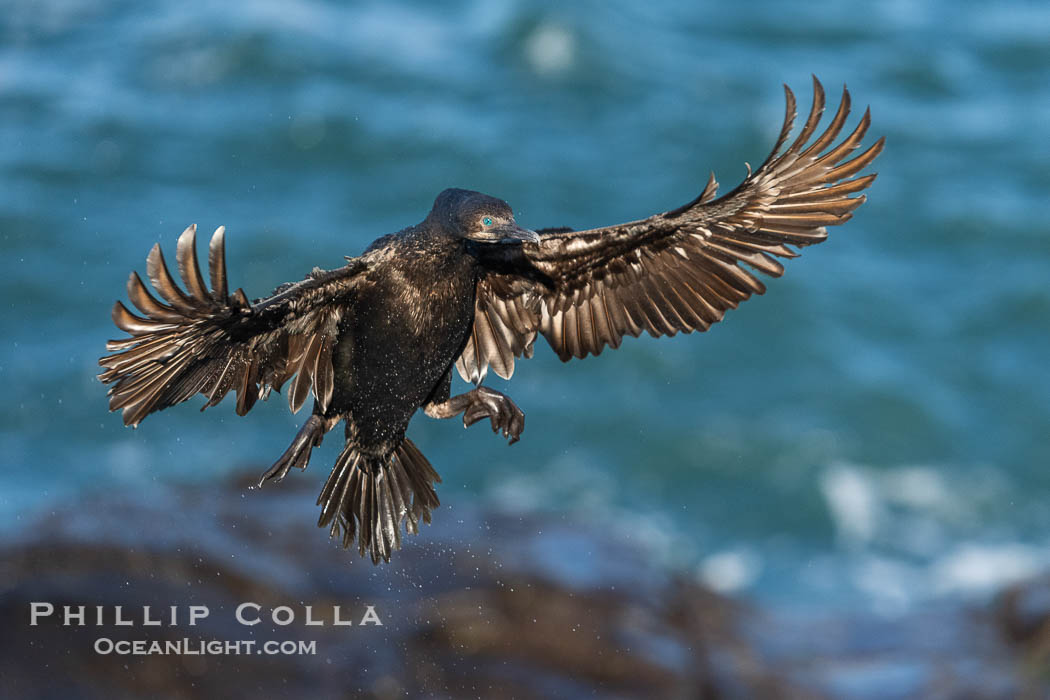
(874,431)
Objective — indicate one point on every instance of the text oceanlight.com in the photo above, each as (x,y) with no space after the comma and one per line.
(247,614)
(201,647)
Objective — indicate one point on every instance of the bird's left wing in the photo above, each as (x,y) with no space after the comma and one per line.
(676,271)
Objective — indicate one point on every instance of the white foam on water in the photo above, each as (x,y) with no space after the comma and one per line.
(918,487)
(905,535)
(730,571)
(855,504)
(974,568)
(910,535)
(550,48)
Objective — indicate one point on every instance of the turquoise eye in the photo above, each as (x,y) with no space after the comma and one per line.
(487,221)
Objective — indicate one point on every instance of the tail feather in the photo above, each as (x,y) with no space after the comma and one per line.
(368,497)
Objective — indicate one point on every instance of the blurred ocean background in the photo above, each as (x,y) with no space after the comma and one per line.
(872,434)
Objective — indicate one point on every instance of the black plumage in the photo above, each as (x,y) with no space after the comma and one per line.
(376,339)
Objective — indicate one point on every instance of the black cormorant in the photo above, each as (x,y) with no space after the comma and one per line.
(468,288)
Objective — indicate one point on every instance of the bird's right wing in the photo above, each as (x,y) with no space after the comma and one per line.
(212,342)
(678,271)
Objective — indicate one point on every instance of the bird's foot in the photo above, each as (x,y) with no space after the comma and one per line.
(298,453)
(503,414)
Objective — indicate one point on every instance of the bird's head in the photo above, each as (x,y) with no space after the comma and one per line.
(478,217)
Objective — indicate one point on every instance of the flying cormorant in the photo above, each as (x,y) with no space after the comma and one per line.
(468,288)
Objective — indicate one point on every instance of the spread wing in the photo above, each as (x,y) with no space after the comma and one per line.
(212,342)
(676,271)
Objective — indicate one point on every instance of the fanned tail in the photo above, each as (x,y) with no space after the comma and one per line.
(368,497)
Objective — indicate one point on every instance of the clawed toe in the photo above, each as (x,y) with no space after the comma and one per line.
(474,413)
(297,456)
(298,453)
(276,473)
(516,426)
(504,416)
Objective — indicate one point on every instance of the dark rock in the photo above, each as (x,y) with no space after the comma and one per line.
(479,605)
(1023,615)
(484,605)
(1024,612)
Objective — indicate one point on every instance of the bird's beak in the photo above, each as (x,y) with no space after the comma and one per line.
(512,233)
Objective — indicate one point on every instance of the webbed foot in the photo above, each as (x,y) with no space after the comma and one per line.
(503,414)
(298,453)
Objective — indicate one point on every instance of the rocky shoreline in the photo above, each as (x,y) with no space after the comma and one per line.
(486,605)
